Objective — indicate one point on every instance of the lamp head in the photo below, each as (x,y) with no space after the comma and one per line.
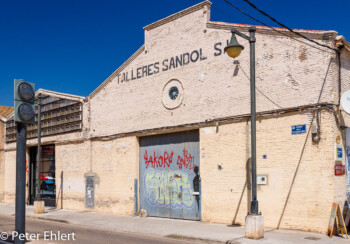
(233,49)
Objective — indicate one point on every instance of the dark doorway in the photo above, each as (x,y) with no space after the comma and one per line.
(47,175)
(32,174)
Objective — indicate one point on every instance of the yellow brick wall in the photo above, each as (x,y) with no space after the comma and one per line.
(113,163)
(72,161)
(10,176)
(224,192)
(225,195)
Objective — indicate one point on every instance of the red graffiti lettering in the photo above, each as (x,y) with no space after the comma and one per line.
(187,161)
(158,161)
(168,160)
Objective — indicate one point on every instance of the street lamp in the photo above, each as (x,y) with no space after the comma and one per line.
(234,49)
(254,220)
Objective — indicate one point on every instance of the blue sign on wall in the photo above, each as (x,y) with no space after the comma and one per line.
(298,129)
(340,152)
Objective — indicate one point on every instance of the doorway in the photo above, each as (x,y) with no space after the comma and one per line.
(47,180)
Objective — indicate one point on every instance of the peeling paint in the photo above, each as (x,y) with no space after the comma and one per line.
(123,145)
(290,80)
(208,130)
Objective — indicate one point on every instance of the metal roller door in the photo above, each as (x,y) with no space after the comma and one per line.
(169,175)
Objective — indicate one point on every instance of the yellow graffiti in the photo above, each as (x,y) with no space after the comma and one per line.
(168,188)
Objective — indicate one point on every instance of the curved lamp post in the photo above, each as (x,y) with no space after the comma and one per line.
(233,50)
(254,220)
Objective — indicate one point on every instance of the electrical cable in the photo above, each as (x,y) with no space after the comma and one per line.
(281,33)
(303,148)
(259,89)
(291,30)
(235,7)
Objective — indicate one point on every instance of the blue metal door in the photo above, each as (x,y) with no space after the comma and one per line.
(169,175)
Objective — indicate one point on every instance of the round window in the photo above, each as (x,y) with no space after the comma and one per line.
(173,92)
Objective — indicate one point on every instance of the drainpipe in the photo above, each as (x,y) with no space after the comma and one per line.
(339,43)
(339,73)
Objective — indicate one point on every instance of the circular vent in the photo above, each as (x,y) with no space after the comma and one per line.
(173,94)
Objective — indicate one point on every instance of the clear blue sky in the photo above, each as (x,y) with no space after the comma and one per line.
(72,46)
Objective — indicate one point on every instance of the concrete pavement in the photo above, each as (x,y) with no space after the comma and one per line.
(47,232)
(171,228)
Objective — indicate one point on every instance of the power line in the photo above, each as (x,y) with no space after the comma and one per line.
(259,89)
(291,30)
(235,7)
(284,34)
(224,13)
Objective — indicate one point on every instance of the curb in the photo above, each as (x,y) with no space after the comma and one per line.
(195,239)
(170,236)
(48,219)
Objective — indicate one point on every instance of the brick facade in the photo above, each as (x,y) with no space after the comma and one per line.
(294,82)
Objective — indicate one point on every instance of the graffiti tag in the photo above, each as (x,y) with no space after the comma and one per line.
(168,188)
(159,161)
(187,161)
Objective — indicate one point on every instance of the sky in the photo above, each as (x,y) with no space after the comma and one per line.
(72,46)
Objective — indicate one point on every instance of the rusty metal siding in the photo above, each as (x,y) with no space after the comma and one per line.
(169,175)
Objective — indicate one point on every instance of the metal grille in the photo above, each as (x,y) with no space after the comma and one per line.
(57,116)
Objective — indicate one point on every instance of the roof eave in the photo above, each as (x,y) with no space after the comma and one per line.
(59,95)
(342,42)
(177,15)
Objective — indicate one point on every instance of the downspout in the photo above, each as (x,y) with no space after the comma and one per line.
(339,44)
(339,73)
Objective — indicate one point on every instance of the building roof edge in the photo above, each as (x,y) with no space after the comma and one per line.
(59,95)
(317,34)
(115,73)
(342,42)
(177,15)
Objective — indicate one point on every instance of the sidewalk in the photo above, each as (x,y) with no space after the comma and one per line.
(179,229)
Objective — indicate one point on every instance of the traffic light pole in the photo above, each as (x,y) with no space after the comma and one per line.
(24,113)
(20,182)
(39,150)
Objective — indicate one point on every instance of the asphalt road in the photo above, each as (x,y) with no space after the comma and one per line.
(44,231)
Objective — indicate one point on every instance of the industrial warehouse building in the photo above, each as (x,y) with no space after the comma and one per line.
(175,119)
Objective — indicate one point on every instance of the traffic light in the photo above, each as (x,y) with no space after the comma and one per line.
(24,102)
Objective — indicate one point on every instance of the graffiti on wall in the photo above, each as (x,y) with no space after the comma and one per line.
(159,161)
(187,161)
(168,188)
